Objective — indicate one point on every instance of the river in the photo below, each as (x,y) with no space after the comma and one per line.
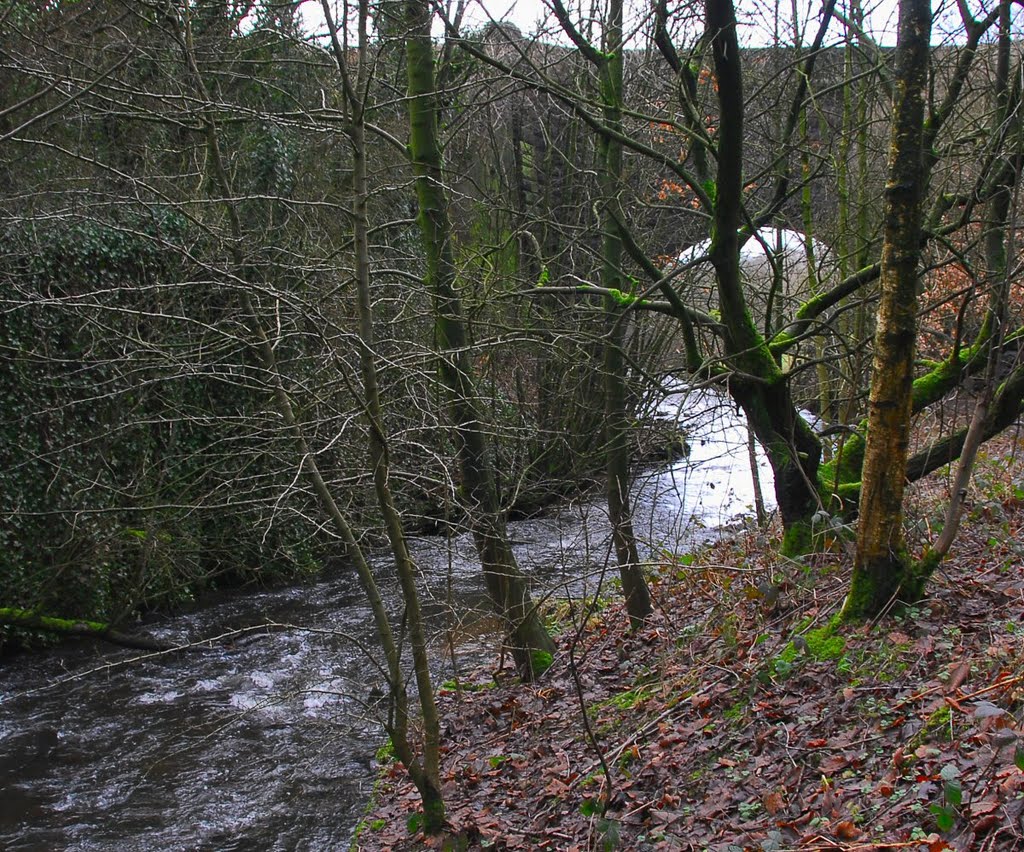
(266,738)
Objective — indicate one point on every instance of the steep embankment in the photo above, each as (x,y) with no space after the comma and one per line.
(735,721)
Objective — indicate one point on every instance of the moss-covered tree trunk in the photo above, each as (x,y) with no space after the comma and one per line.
(609,64)
(634,585)
(31,620)
(882,570)
(854,236)
(423,773)
(757,383)
(526,634)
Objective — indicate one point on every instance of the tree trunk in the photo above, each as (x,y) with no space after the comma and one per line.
(526,634)
(425,772)
(398,721)
(882,568)
(634,585)
(16,617)
(997,272)
(758,384)
(609,64)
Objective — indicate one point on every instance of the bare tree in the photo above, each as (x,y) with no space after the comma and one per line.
(527,636)
(609,63)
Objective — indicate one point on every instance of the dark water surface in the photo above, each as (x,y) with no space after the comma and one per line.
(265,739)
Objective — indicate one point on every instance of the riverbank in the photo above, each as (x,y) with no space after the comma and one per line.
(734,721)
(28,628)
(268,736)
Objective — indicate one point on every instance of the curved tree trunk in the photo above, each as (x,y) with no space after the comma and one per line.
(998,274)
(758,384)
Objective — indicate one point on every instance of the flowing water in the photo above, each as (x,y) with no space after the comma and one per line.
(265,738)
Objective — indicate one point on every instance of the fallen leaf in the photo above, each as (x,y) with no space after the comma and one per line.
(556,788)
(834,764)
(957,675)
(846,830)
(773,803)
(985,824)
(983,807)
(986,710)
(700,701)
(665,818)
(952,702)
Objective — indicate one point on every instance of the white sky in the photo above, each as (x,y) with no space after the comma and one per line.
(757,18)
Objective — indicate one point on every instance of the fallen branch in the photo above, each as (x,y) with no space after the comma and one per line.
(70,627)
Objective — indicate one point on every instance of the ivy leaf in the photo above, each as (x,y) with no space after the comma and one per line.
(953,792)
(414,823)
(609,831)
(944,817)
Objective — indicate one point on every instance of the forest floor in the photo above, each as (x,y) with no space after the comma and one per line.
(743,718)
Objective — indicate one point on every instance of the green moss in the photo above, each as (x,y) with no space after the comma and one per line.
(28,618)
(934,384)
(881,663)
(842,475)
(797,539)
(918,575)
(824,645)
(386,753)
(434,822)
(936,726)
(736,712)
(873,588)
(561,614)
(541,662)
(631,698)
(623,299)
(711,188)
(372,802)
(456,685)
(849,492)
(781,342)
(803,625)
(821,645)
